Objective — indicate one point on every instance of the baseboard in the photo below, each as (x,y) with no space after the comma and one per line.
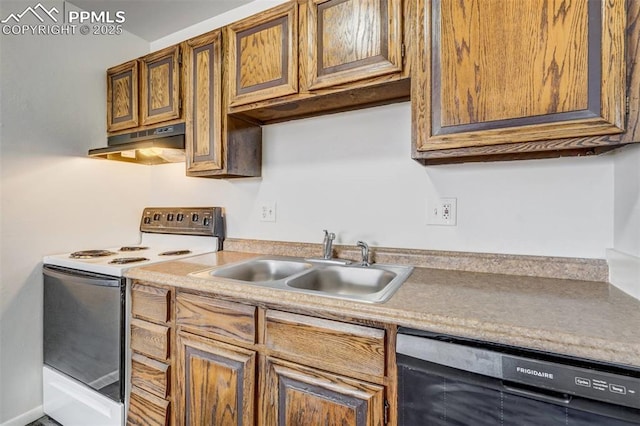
(624,272)
(26,418)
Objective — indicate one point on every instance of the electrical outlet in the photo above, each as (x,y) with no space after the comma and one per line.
(268,212)
(443,212)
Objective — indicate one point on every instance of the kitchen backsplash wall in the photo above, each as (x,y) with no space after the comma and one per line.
(54,198)
(352,173)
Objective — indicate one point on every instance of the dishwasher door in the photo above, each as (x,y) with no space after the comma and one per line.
(443,381)
(84,328)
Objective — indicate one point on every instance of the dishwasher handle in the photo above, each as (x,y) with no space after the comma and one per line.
(559,399)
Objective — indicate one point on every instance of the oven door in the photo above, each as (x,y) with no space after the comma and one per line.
(84,328)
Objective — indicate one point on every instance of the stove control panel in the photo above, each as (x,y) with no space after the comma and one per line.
(205,221)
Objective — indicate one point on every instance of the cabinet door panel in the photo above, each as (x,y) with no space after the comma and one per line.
(495,72)
(300,396)
(352,39)
(217,382)
(203,78)
(122,97)
(160,86)
(263,55)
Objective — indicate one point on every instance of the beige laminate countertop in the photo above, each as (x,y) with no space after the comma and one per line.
(580,318)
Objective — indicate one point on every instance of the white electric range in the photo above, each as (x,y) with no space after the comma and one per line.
(86,364)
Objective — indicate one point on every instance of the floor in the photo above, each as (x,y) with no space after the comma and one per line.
(44,421)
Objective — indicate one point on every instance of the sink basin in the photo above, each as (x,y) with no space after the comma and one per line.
(372,284)
(344,280)
(259,270)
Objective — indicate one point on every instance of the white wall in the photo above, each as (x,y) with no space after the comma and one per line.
(52,111)
(352,173)
(624,259)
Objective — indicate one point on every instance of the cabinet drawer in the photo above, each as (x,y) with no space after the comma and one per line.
(147,409)
(330,345)
(216,317)
(150,339)
(150,375)
(151,303)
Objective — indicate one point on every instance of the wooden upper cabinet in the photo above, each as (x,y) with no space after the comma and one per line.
(506,72)
(122,96)
(203,102)
(263,55)
(350,40)
(160,86)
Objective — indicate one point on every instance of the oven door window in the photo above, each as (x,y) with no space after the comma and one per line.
(437,396)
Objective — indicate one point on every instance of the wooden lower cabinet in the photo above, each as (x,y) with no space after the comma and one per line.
(215,382)
(294,395)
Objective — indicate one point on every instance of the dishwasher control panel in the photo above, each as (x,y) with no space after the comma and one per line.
(598,385)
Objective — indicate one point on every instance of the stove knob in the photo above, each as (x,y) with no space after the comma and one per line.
(206,221)
(180,217)
(147,220)
(170,217)
(156,216)
(195,217)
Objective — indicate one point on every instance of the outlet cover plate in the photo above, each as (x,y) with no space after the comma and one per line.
(443,212)
(268,211)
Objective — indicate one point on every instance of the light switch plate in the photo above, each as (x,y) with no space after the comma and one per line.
(268,212)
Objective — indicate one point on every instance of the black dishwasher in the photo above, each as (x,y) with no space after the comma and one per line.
(443,380)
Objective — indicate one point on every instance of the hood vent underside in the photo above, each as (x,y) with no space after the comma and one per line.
(154,146)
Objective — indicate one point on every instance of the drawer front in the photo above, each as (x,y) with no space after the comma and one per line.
(147,409)
(150,339)
(216,317)
(152,303)
(150,375)
(330,345)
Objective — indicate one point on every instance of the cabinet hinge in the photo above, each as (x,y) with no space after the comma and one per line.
(179,58)
(386,412)
(403,50)
(627,106)
(179,104)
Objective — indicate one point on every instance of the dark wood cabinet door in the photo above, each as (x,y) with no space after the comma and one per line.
(160,86)
(203,101)
(122,96)
(508,72)
(263,55)
(349,40)
(293,395)
(215,382)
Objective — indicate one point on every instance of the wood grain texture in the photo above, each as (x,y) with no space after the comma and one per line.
(150,339)
(216,317)
(203,99)
(146,409)
(301,396)
(263,55)
(160,86)
(342,348)
(149,302)
(426,135)
(216,382)
(633,72)
(122,96)
(150,375)
(350,40)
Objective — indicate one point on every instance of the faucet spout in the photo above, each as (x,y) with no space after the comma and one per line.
(327,244)
(364,249)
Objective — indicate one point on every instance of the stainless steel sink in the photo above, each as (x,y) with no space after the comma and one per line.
(261,270)
(372,284)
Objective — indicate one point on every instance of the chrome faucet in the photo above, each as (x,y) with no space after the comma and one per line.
(327,244)
(364,248)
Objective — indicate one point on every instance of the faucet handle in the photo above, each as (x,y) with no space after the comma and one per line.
(364,248)
(328,235)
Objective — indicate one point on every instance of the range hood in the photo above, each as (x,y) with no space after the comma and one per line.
(153,146)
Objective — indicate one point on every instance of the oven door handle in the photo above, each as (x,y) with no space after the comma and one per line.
(81,277)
